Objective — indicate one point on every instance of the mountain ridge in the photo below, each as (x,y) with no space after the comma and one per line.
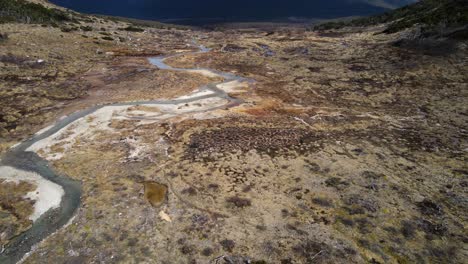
(238,11)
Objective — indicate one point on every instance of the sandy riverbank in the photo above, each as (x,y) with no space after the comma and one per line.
(47,195)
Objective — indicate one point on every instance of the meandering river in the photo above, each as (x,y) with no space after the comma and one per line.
(24,160)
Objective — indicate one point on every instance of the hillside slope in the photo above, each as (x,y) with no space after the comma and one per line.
(30,12)
(435,16)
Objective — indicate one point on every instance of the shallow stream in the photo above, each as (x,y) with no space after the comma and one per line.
(21,158)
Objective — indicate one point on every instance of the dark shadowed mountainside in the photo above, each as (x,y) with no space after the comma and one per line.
(431,15)
(214,11)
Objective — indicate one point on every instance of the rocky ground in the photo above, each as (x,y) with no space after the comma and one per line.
(348,148)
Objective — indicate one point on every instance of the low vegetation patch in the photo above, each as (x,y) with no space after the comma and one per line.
(238,201)
(86,28)
(25,12)
(132,29)
(3,36)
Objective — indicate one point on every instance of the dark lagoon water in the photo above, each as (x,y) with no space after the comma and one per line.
(216,11)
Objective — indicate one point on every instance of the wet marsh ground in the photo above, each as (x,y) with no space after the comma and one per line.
(347,149)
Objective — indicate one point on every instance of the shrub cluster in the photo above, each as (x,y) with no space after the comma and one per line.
(26,12)
(429,13)
(132,29)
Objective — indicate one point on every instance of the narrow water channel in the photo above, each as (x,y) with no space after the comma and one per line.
(24,160)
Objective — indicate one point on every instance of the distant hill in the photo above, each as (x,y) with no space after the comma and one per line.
(431,15)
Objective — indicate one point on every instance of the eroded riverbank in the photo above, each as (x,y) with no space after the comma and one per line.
(62,196)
